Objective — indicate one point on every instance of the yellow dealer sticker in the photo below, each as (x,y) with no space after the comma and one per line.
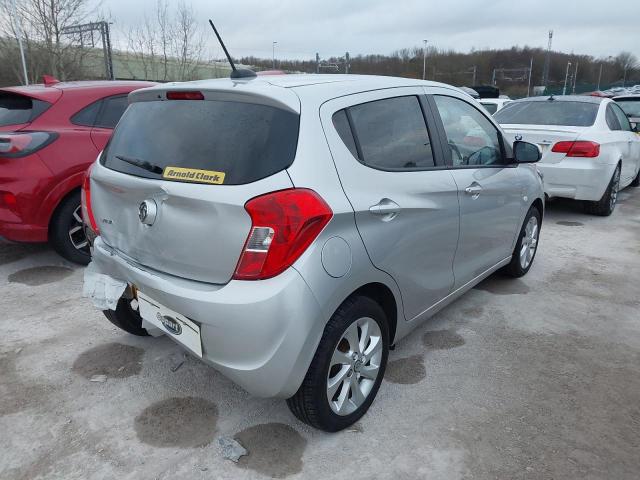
(193,175)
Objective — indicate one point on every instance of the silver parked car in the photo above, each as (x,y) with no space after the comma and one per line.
(287,230)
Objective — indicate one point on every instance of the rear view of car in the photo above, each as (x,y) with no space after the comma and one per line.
(588,149)
(49,135)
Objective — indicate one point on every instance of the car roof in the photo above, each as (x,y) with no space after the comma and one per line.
(51,92)
(563,98)
(320,86)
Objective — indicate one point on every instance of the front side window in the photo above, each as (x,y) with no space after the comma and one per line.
(471,137)
(392,134)
(622,118)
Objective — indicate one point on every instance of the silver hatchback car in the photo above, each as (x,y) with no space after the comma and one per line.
(287,230)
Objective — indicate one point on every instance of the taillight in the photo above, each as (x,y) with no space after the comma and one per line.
(185,95)
(283,225)
(21,144)
(85,197)
(579,148)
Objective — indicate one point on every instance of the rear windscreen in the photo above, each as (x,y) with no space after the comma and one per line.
(203,141)
(550,112)
(630,107)
(16,109)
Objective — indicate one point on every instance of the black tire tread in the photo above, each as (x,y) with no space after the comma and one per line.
(58,237)
(303,404)
(126,319)
(514,269)
(601,207)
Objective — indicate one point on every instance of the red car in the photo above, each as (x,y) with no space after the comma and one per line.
(49,134)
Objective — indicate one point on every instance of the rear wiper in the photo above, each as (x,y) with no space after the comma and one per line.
(141,164)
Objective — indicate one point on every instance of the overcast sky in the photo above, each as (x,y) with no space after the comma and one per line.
(331,27)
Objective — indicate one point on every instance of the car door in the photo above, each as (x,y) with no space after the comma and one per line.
(405,201)
(630,143)
(111,110)
(490,189)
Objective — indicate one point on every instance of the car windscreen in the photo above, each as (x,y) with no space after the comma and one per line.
(203,140)
(550,112)
(630,107)
(16,109)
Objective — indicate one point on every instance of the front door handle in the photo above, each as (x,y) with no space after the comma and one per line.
(473,189)
(386,207)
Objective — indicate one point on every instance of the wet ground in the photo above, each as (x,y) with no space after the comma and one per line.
(536,378)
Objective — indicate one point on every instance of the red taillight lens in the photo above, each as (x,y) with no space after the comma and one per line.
(283,225)
(85,197)
(9,200)
(185,95)
(21,144)
(580,148)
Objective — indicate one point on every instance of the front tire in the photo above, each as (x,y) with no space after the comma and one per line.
(636,181)
(126,318)
(605,206)
(347,369)
(527,245)
(66,233)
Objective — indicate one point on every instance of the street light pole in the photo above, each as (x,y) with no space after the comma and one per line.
(599,78)
(566,77)
(273,49)
(19,38)
(424,59)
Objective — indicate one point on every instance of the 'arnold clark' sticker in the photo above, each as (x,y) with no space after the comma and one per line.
(193,175)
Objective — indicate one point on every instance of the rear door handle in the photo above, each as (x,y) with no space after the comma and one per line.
(386,207)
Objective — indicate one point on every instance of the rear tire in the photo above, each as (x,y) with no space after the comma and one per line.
(342,369)
(66,234)
(607,204)
(636,181)
(126,318)
(527,245)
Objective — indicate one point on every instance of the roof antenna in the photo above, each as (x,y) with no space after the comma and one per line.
(235,72)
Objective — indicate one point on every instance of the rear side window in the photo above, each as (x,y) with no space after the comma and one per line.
(341,124)
(16,109)
(622,118)
(246,142)
(111,111)
(87,116)
(392,134)
(549,112)
(612,120)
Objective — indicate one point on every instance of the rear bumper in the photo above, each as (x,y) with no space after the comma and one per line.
(577,178)
(18,232)
(260,334)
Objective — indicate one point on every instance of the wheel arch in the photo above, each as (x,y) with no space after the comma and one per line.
(60,202)
(384,296)
(539,205)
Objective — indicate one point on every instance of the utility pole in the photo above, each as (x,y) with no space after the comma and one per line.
(424,60)
(19,35)
(273,55)
(347,58)
(566,77)
(575,77)
(317,62)
(529,84)
(547,61)
(493,78)
(475,71)
(599,77)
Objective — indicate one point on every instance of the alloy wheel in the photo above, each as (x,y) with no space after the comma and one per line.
(615,186)
(76,232)
(355,366)
(529,242)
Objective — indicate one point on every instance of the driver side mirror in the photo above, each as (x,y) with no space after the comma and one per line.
(635,127)
(525,152)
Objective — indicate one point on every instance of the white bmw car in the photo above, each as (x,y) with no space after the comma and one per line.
(589,149)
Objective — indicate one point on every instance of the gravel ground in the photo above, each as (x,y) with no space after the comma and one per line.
(531,378)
